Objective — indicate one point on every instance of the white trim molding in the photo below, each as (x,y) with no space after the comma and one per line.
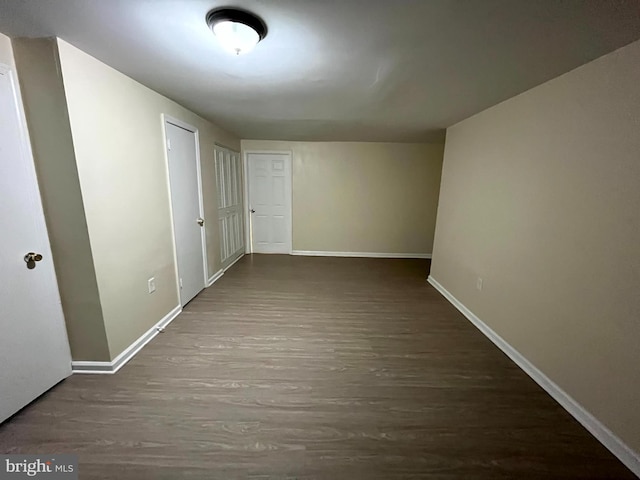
(118,362)
(621,450)
(234,262)
(215,277)
(320,253)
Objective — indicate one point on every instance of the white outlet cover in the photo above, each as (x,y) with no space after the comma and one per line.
(152,284)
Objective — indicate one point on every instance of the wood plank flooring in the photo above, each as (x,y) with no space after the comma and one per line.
(314,368)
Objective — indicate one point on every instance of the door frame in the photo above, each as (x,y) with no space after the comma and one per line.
(247,217)
(203,231)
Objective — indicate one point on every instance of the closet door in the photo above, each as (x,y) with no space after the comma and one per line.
(230,211)
(187,207)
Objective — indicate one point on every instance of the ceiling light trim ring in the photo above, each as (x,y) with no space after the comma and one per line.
(237,15)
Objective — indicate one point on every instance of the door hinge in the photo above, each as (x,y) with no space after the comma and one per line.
(181,283)
(168,144)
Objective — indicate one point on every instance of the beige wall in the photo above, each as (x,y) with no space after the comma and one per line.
(540,197)
(6,54)
(119,149)
(362,197)
(50,135)
(99,150)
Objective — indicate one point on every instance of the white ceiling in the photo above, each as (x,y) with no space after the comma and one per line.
(374,70)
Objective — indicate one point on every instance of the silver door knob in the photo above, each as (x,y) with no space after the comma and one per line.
(200,222)
(31,258)
(252,211)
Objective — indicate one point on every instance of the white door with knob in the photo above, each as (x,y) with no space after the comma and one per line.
(186,205)
(34,350)
(269,192)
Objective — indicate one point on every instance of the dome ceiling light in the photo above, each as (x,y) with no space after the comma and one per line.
(238,31)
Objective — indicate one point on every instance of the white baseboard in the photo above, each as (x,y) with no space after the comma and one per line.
(621,450)
(118,362)
(320,253)
(216,276)
(233,263)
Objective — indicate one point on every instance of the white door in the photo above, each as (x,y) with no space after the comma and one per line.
(186,205)
(34,350)
(230,211)
(269,176)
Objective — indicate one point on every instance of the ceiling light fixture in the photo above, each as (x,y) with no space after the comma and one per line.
(237,30)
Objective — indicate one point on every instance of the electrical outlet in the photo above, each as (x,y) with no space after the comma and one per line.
(479,284)
(152,284)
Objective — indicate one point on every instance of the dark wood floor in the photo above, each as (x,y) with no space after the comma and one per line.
(324,368)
